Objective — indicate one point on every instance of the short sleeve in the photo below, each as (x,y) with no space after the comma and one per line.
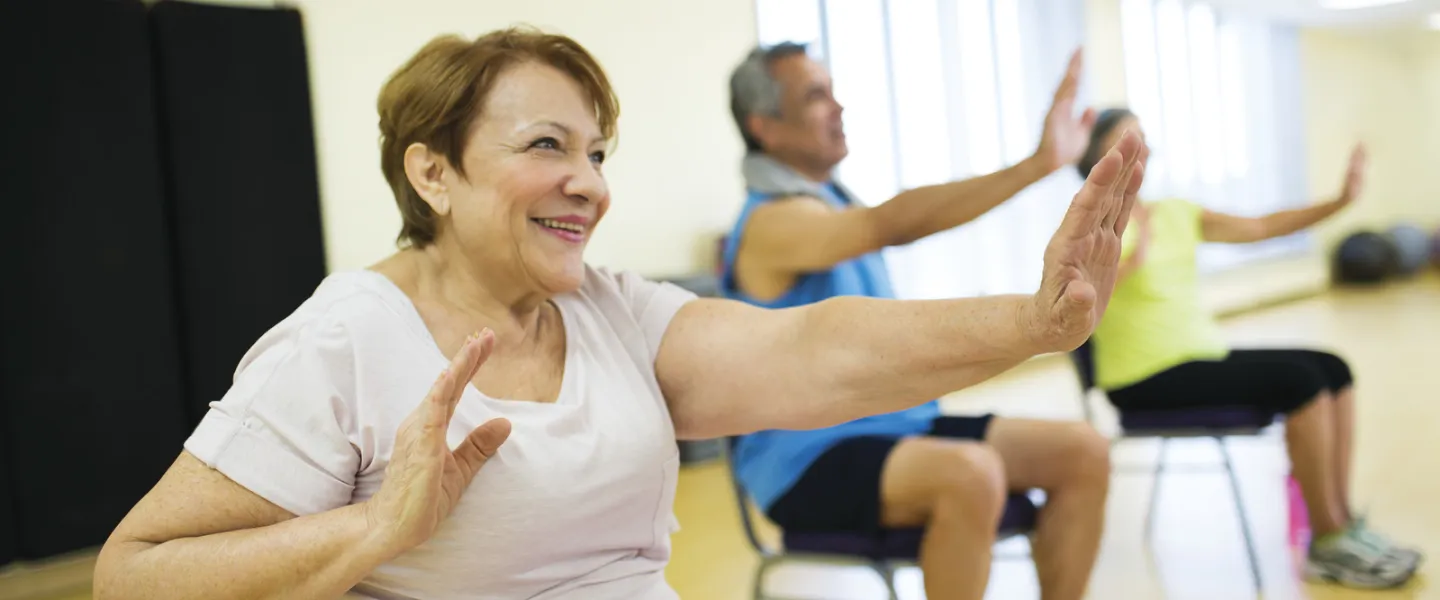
(652,303)
(279,430)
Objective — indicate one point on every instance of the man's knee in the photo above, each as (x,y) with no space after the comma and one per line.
(972,475)
(1087,452)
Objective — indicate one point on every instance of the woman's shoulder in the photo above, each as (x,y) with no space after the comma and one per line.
(630,301)
(347,311)
(609,287)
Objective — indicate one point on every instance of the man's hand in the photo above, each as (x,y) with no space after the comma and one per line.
(1137,256)
(1354,175)
(1082,260)
(1065,137)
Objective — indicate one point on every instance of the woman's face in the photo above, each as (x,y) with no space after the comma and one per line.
(533,191)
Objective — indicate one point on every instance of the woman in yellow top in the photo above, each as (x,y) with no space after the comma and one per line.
(1156,348)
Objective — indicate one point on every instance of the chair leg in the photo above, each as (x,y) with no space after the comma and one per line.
(887,574)
(1244,519)
(759,589)
(1155,489)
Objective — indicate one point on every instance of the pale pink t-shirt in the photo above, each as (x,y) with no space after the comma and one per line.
(576,504)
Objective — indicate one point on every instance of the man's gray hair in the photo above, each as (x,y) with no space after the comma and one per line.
(754,91)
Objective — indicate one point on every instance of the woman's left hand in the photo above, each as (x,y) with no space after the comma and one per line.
(1354,175)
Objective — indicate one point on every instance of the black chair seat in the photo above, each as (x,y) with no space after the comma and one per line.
(1209,418)
(899,544)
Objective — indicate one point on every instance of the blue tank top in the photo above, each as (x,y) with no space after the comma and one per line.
(769,463)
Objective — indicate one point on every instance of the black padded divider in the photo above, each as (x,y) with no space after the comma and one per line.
(90,380)
(240,154)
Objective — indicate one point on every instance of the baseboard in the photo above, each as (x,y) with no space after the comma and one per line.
(1256,286)
(1265,283)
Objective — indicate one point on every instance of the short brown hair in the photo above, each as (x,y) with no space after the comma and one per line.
(438,93)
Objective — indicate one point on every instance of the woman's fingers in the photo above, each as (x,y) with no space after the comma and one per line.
(480,445)
(1132,192)
(1087,209)
(480,346)
(451,386)
(1129,149)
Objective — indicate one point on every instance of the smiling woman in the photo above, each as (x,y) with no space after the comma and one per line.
(483,414)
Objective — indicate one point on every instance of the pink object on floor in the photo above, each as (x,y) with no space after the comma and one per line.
(1299,518)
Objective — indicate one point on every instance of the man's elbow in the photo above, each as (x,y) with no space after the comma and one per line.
(108,580)
(105,583)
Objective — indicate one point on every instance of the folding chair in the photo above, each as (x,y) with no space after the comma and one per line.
(1215,423)
(882,552)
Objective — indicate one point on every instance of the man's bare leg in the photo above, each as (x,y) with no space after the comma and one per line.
(1071,462)
(956,490)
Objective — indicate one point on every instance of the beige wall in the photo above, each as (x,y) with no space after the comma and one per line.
(675,177)
(1382,87)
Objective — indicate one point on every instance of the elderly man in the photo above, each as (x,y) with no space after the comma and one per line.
(801,238)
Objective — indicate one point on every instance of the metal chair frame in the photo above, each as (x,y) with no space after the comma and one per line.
(1082,359)
(771,557)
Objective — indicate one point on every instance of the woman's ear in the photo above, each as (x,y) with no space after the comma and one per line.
(426,171)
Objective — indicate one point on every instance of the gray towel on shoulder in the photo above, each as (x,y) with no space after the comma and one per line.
(768,176)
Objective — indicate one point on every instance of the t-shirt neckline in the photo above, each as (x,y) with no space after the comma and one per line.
(410,314)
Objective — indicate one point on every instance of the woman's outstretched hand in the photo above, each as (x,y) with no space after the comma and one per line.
(1082,259)
(425,478)
(1354,175)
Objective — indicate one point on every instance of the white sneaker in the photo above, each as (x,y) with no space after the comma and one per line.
(1349,560)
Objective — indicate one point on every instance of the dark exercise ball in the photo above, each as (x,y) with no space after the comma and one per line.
(1435,248)
(1365,257)
(1412,247)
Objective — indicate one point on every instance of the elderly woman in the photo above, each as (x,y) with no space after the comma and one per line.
(484,415)
(1157,349)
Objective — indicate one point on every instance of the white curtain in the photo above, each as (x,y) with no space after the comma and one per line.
(1219,97)
(940,90)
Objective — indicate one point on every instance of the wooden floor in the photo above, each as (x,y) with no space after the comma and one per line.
(1390,336)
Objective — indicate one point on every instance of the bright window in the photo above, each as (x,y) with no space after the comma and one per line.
(1208,91)
(942,90)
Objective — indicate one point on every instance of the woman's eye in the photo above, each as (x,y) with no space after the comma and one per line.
(597,157)
(546,143)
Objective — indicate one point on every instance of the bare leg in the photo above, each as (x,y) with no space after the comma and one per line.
(1071,462)
(956,490)
(1344,434)
(1309,438)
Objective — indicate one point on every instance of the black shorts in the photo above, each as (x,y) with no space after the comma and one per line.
(841,489)
(1277,381)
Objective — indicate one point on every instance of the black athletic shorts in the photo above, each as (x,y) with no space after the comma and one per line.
(1278,381)
(841,489)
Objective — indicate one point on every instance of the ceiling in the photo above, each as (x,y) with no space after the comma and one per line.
(1382,13)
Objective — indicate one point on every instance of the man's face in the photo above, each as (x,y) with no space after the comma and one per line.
(809,128)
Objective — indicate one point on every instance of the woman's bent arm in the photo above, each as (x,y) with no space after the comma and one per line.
(198,534)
